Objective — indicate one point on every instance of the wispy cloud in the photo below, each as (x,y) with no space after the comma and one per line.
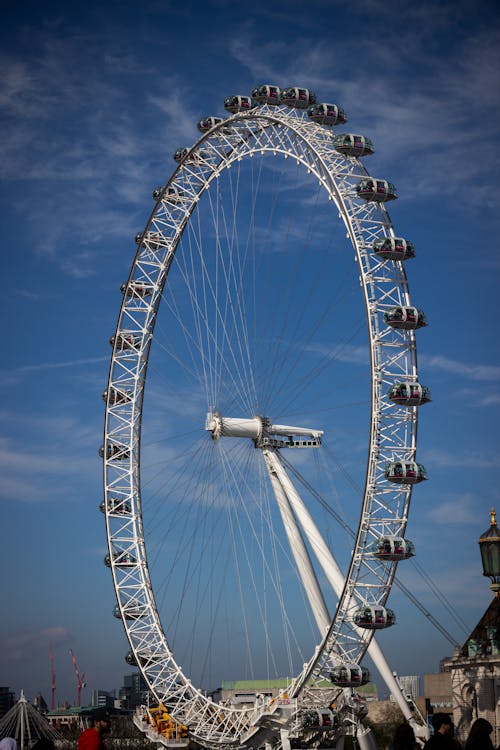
(21,646)
(442,459)
(461,369)
(12,376)
(461,509)
(426,122)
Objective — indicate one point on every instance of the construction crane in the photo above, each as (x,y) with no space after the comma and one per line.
(80,678)
(53,681)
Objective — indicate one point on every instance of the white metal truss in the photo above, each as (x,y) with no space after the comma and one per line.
(289,134)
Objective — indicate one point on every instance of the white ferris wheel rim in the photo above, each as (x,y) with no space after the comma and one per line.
(385,507)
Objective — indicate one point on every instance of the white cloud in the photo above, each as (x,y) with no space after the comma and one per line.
(473,372)
(12,376)
(442,459)
(21,646)
(461,509)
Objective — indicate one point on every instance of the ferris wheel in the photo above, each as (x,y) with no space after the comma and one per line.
(263,368)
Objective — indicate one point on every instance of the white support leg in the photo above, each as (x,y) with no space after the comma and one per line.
(334,574)
(299,551)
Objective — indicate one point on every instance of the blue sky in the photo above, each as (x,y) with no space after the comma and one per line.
(94,101)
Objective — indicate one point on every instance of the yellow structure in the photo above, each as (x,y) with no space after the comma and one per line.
(160,719)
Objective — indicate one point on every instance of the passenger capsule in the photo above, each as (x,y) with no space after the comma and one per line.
(393,248)
(350,144)
(180,154)
(172,194)
(236,104)
(406,318)
(207,123)
(121,558)
(116,451)
(327,114)
(152,240)
(168,194)
(355,710)
(323,718)
(116,506)
(115,396)
(125,341)
(392,548)
(379,191)
(349,675)
(405,472)
(267,94)
(185,154)
(409,394)
(297,97)
(130,659)
(132,611)
(137,289)
(374,618)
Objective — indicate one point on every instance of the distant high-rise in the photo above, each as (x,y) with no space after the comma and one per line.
(7,700)
(134,691)
(102,699)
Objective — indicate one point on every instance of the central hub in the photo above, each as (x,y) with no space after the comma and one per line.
(262,432)
(233,427)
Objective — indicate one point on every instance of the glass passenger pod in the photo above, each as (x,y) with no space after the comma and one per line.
(169,194)
(207,123)
(115,396)
(236,104)
(125,341)
(179,155)
(130,659)
(392,548)
(137,289)
(319,719)
(116,506)
(350,144)
(380,191)
(131,611)
(355,709)
(349,675)
(267,94)
(405,472)
(409,394)
(115,451)
(122,559)
(374,618)
(183,154)
(152,240)
(394,248)
(406,318)
(297,97)
(327,114)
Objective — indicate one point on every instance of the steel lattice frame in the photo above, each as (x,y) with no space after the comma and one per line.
(287,132)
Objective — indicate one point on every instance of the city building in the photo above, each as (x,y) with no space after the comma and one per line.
(437,692)
(134,691)
(103,699)
(475,667)
(7,700)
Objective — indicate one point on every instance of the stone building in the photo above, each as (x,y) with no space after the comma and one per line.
(475,667)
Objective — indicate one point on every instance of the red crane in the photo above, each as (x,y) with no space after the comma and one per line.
(53,680)
(80,678)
